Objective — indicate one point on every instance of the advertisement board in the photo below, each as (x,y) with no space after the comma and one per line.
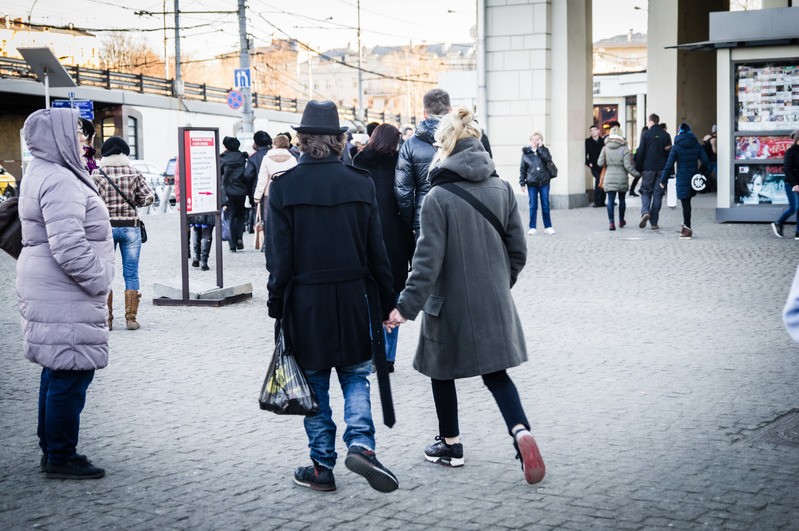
(767,97)
(761,147)
(201,177)
(760,184)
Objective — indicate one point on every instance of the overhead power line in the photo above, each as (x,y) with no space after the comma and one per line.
(338,61)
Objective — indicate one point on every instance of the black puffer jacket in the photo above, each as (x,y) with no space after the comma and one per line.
(410,183)
(234,180)
(533,169)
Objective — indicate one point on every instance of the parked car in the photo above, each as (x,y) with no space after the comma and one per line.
(8,184)
(155,178)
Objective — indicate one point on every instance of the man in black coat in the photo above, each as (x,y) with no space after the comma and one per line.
(330,284)
(261,142)
(650,159)
(237,187)
(593,147)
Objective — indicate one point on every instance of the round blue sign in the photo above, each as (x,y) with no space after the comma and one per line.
(235,99)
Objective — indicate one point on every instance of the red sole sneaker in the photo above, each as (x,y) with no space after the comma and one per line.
(533,463)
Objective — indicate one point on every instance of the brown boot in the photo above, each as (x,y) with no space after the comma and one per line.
(132,308)
(110,310)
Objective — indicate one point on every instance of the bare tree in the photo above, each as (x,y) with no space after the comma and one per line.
(124,53)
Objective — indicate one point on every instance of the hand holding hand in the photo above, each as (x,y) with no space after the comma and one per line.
(394,320)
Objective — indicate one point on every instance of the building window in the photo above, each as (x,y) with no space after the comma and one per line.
(133,137)
(107,129)
(631,104)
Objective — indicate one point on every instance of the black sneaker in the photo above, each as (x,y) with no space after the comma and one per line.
(195,263)
(390,366)
(446,454)
(240,245)
(77,467)
(315,477)
(363,462)
(777,228)
(528,453)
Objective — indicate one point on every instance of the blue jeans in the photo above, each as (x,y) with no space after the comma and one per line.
(793,206)
(612,203)
(534,192)
(321,429)
(129,240)
(390,340)
(62,395)
(651,195)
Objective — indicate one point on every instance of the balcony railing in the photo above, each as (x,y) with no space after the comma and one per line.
(111,80)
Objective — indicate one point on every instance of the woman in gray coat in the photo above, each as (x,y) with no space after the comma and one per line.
(63,277)
(461,278)
(618,162)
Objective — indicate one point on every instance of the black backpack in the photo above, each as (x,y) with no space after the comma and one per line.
(10,227)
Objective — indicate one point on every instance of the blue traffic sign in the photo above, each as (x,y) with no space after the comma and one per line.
(235,99)
(85,107)
(241,78)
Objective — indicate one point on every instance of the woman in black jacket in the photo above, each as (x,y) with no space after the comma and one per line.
(791,170)
(379,157)
(534,175)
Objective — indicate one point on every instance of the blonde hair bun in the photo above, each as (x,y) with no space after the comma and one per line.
(455,126)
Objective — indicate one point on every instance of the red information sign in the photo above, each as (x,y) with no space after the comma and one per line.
(201,170)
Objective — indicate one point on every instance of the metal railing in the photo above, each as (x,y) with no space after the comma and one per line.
(112,80)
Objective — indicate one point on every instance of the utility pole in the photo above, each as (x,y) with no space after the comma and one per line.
(247,114)
(178,78)
(166,54)
(360,66)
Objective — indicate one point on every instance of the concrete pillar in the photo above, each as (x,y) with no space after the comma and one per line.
(680,83)
(525,93)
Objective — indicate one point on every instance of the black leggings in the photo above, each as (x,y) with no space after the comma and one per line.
(500,385)
(686,212)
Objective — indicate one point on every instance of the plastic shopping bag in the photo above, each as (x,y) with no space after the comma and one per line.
(225,225)
(285,390)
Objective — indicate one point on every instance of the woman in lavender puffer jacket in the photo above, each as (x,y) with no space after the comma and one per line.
(64,275)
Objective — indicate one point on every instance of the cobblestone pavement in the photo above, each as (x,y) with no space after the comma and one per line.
(653,361)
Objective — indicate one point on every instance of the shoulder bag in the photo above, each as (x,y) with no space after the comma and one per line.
(128,201)
(480,207)
(10,227)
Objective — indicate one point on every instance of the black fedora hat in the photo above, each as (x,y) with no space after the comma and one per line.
(320,118)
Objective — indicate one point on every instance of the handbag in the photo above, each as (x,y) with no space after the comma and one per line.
(10,227)
(259,235)
(285,390)
(128,201)
(602,177)
(552,169)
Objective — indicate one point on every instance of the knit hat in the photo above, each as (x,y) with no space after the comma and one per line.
(262,138)
(114,146)
(684,128)
(795,135)
(231,143)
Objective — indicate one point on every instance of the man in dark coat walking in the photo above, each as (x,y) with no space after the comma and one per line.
(330,284)
(236,187)
(650,159)
(593,147)
(261,142)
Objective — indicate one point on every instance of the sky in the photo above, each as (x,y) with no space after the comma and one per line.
(323,24)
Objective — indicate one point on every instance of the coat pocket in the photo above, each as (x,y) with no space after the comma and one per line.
(433,305)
